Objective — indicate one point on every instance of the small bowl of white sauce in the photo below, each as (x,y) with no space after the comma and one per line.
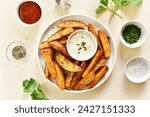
(137,69)
(81,45)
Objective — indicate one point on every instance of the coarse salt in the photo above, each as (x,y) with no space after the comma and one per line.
(137,68)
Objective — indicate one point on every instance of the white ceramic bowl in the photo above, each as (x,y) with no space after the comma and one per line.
(137,69)
(52,28)
(78,56)
(17,13)
(142,38)
(9,49)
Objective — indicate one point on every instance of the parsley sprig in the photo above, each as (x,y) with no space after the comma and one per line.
(118,4)
(36,91)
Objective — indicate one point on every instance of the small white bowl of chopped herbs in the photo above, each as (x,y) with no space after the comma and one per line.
(137,69)
(133,34)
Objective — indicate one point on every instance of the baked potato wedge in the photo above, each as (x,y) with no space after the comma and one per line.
(44,45)
(93,62)
(70,76)
(105,43)
(51,53)
(93,31)
(60,33)
(78,75)
(65,63)
(98,76)
(59,47)
(60,76)
(49,62)
(80,28)
(71,23)
(99,64)
(84,81)
(46,72)
(63,40)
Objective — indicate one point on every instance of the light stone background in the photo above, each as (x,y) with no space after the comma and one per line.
(116,87)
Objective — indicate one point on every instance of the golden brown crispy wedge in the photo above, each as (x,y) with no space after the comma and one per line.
(60,33)
(93,62)
(46,72)
(78,75)
(99,64)
(49,62)
(98,76)
(84,81)
(75,29)
(60,76)
(65,63)
(105,43)
(93,31)
(71,23)
(51,53)
(44,45)
(59,47)
(70,76)
(63,40)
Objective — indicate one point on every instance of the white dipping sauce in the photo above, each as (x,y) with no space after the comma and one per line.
(82,45)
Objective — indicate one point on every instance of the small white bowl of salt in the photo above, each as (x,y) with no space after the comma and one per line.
(137,69)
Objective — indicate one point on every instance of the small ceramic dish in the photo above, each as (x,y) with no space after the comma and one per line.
(25,2)
(81,45)
(137,69)
(141,39)
(17,44)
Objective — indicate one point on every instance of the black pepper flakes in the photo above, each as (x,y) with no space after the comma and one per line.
(19,52)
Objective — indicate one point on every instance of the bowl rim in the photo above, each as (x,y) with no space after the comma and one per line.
(112,39)
(142,79)
(137,23)
(93,51)
(17,14)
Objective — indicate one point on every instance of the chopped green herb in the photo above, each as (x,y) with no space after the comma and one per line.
(85,48)
(78,44)
(82,45)
(79,48)
(131,34)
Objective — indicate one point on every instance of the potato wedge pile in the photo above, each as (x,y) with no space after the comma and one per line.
(72,74)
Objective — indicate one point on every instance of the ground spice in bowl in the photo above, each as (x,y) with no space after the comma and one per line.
(131,34)
(19,52)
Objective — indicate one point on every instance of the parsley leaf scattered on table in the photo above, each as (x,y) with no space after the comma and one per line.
(100,9)
(36,91)
(118,4)
(136,2)
(29,85)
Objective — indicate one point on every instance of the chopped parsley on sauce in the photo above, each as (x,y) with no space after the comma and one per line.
(82,45)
